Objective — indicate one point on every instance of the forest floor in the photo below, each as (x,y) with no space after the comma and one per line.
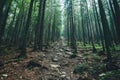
(53,64)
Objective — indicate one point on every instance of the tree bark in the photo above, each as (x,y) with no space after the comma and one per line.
(25,32)
(105,30)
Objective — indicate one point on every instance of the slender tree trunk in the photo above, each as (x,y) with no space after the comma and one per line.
(92,33)
(2,2)
(99,26)
(10,28)
(4,20)
(40,28)
(73,35)
(83,26)
(117,17)
(105,30)
(24,36)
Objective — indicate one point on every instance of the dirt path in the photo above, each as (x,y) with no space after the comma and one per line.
(55,64)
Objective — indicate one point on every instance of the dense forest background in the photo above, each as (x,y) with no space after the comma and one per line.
(88,29)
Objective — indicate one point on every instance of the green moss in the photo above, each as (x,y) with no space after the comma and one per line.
(116,55)
(6,51)
(86,54)
(96,57)
(111,75)
(81,68)
(97,68)
(117,47)
(93,56)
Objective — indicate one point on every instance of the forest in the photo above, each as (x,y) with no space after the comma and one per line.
(59,39)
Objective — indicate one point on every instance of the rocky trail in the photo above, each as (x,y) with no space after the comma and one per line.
(54,64)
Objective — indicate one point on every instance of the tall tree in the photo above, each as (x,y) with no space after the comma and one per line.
(40,28)
(116,16)
(105,30)
(25,32)
(4,17)
(2,2)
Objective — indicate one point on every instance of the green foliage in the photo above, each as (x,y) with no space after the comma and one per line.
(96,57)
(117,47)
(93,56)
(86,54)
(5,50)
(111,75)
(98,46)
(97,69)
(116,55)
(81,68)
(73,55)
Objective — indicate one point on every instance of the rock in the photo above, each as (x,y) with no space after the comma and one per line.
(66,56)
(61,50)
(21,77)
(63,76)
(69,53)
(63,73)
(59,53)
(68,78)
(2,78)
(4,75)
(55,59)
(54,65)
(44,55)
(103,74)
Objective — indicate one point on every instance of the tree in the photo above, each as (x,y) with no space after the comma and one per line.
(40,28)
(116,16)
(105,30)
(71,26)
(4,16)
(25,32)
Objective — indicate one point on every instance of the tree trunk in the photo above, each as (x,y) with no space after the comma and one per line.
(105,30)
(4,20)
(24,36)
(117,17)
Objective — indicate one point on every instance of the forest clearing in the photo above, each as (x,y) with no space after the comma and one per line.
(59,39)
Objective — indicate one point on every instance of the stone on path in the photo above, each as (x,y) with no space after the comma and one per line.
(56,59)
(61,50)
(4,75)
(69,53)
(54,65)
(63,74)
(60,53)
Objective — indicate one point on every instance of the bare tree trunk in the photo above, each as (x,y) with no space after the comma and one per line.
(25,31)
(105,30)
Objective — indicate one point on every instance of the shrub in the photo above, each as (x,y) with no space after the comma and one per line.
(81,68)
